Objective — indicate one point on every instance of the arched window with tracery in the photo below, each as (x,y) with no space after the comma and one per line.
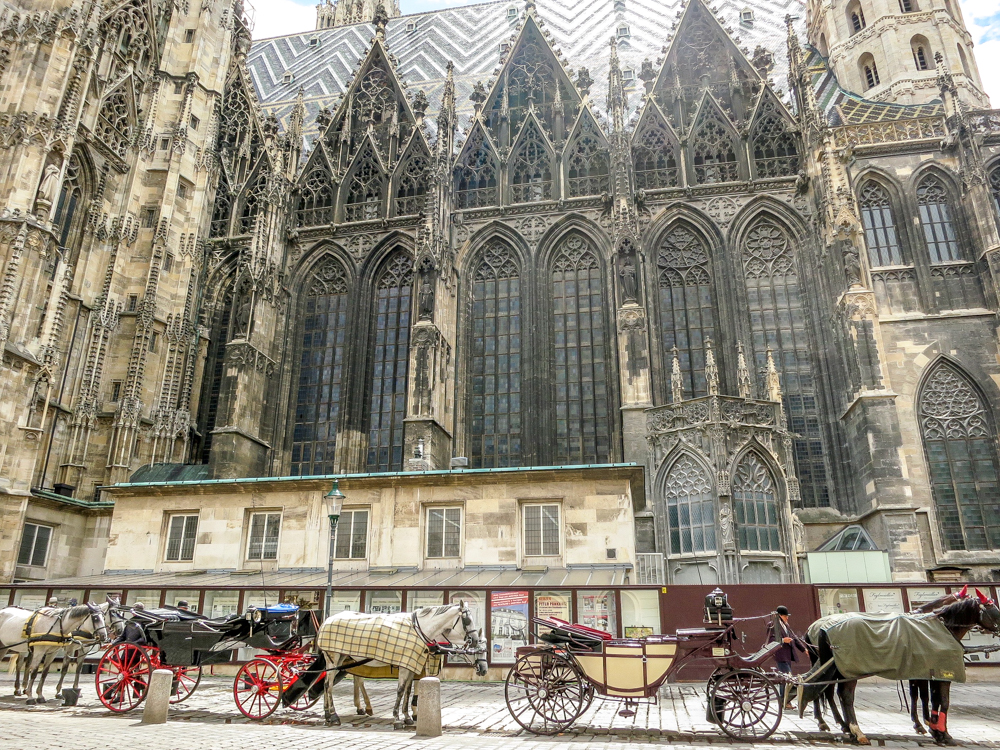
(960,445)
(582,355)
(495,426)
(365,189)
(251,202)
(321,370)
(713,151)
(995,188)
(412,186)
(390,363)
(476,174)
(687,308)
(316,199)
(215,369)
(222,210)
(690,508)
(114,122)
(530,168)
(655,157)
(66,216)
(869,71)
(587,171)
(880,226)
(935,218)
(778,322)
(756,505)
(775,151)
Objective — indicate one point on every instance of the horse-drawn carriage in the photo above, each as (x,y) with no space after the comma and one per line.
(551,685)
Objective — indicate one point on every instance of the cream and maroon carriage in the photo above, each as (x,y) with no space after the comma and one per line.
(552,684)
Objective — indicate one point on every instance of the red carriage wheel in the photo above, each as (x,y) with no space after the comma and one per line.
(257,689)
(186,679)
(290,671)
(123,677)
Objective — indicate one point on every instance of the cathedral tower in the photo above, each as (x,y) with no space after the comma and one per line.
(890,50)
(331,13)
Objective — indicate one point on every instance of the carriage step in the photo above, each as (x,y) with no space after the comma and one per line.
(626,712)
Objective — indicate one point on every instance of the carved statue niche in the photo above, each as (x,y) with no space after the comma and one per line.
(627,273)
(48,191)
(425,296)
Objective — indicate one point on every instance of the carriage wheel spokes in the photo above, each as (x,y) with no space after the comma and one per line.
(545,692)
(290,673)
(257,689)
(186,679)
(746,704)
(123,677)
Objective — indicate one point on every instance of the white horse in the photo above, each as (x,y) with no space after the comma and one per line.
(430,625)
(40,634)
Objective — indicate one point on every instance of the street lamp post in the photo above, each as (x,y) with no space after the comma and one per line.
(333,502)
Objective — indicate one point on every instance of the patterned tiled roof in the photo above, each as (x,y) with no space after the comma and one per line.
(470,37)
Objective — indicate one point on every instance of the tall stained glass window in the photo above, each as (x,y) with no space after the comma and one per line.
(880,226)
(962,457)
(321,371)
(393,294)
(582,413)
(215,369)
(690,508)
(778,322)
(935,218)
(70,200)
(495,367)
(687,312)
(756,506)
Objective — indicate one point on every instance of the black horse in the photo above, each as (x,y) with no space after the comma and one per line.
(959,618)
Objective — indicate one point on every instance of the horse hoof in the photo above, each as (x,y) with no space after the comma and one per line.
(824,728)
(409,722)
(333,721)
(369,712)
(359,711)
(30,702)
(397,725)
(41,699)
(920,730)
(862,740)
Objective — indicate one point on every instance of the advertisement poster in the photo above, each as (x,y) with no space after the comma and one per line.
(384,602)
(223,604)
(596,610)
(920,597)
(509,617)
(552,604)
(834,601)
(886,601)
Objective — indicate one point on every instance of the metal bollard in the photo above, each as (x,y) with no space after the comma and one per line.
(157,697)
(429,715)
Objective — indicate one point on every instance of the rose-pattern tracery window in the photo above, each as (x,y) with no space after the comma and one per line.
(690,508)
(495,360)
(412,188)
(960,445)
(775,151)
(756,506)
(778,322)
(531,168)
(321,373)
(128,39)
(587,167)
(880,226)
(476,174)
(582,355)
(655,157)
(114,122)
(364,194)
(390,363)
(714,151)
(316,201)
(936,220)
(687,309)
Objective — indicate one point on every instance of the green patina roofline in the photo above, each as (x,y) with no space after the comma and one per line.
(48,495)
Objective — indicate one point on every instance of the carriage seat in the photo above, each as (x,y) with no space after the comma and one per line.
(758,656)
(571,635)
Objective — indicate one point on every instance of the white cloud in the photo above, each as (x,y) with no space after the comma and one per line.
(982,18)
(279,17)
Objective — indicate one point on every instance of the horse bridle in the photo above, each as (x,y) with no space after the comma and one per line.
(471,647)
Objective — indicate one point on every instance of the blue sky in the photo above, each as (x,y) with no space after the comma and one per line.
(982,17)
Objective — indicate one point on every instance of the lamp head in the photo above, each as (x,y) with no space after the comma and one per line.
(333,501)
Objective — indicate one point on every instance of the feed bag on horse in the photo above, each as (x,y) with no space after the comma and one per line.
(390,639)
(897,647)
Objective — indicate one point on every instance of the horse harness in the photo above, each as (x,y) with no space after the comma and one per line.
(77,636)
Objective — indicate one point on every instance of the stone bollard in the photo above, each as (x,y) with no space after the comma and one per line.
(429,715)
(158,697)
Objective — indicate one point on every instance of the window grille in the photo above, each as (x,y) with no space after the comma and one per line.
(541,530)
(116,391)
(34,549)
(935,218)
(351,539)
(181,538)
(412,189)
(364,196)
(132,303)
(757,519)
(263,542)
(587,170)
(775,150)
(690,508)
(880,226)
(444,532)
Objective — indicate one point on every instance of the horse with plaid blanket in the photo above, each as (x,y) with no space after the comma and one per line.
(409,641)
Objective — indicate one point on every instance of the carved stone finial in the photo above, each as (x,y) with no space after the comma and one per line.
(711,369)
(420,105)
(478,95)
(647,74)
(773,381)
(380,18)
(529,7)
(744,383)
(584,81)
(676,383)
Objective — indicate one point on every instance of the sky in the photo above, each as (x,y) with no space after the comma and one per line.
(982,17)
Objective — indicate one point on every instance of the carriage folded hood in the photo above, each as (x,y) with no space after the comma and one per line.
(897,647)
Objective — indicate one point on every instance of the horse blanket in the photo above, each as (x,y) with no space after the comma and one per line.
(897,647)
(390,639)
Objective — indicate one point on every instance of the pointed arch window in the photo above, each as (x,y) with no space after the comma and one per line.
(70,202)
(687,308)
(390,363)
(778,322)
(582,355)
(935,218)
(412,186)
(476,175)
(960,445)
(714,152)
(495,429)
(587,169)
(756,506)
(222,210)
(114,122)
(321,370)
(995,187)
(654,157)
(215,367)
(251,203)
(775,151)
(880,226)
(690,508)
(364,193)
(531,168)
(316,201)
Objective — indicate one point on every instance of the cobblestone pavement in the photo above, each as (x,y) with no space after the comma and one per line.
(474,715)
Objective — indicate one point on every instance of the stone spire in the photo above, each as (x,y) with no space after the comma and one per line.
(772,379)
(744,383)
(676,384)
(711,369)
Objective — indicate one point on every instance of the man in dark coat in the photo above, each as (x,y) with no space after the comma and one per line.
(785,654)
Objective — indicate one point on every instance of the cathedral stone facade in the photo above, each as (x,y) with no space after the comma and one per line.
(752,249)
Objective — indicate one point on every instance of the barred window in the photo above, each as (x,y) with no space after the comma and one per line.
(714,151)
(582,356)
(263,541)
(321,370)
(654,156)
(531,168)
(390,362)
(960,444)
(541,530)
(587,171)
(495,367)
(70,200)
(351,539)
(34,549)
(364,194)
(935,218)
(756,508)
(182,532)
(476,174)
(690,508)
(687,309)
(444,532)
(880,226)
